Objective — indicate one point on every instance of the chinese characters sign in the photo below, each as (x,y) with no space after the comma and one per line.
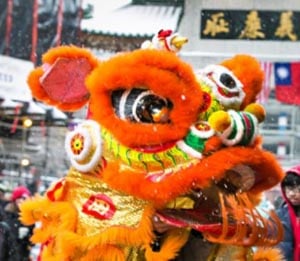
(250,25)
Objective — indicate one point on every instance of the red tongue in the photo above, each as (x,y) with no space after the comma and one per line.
(194,219)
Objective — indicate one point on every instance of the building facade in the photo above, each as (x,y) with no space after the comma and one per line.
(213,49)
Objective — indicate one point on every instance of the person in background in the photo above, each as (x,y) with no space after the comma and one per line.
(3,200)
(8,244)
(289,213)
(21,232)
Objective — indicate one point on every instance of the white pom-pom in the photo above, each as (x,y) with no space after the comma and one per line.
(84,146)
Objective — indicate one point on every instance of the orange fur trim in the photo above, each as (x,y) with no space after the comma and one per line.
(171,245)
(34,84)
(163,73)
(104,253)
(268,254)
(51,214)
(215,165)
(258,142)
(47,254)
(212,144)
(70,52)
(247,69)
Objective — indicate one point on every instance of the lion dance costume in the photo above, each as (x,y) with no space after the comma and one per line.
(158,133)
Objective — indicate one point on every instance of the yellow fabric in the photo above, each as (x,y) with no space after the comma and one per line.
(75,231)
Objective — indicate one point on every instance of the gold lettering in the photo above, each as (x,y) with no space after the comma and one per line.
(286,27)
(252,29)
(215,25)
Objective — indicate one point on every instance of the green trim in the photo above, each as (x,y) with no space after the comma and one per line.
(246,139)
(234,130)
(195,142)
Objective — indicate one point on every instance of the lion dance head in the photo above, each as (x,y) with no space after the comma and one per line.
(148,147)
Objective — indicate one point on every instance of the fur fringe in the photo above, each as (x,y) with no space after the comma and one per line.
(268,254)
(172,243)
(63,216)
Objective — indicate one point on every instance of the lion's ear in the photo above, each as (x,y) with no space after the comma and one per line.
(248,70)
(60,81)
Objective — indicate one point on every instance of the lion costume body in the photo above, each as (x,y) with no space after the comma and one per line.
(128,164)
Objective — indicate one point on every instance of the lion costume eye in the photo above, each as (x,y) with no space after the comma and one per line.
(228,80)
(224,78)
(140,105)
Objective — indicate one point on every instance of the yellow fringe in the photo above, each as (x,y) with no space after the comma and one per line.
(53,216)
(171,245)
(58,225)
(268,254)
(104,253)
(114,235)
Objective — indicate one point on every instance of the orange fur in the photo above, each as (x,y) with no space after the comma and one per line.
(173,241)
(70,52)
(162,73)
(268,254)
(134,183)
(212,144)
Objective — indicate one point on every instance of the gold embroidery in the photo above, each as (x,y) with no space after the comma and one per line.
(85,185)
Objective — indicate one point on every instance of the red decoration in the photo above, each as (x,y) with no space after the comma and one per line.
(77,144)
(54,189)
(8,25)
(164,33)
(206,102)
(99,206)
(64,83)
(60,16)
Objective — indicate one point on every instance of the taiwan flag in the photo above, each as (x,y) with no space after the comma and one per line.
(287,82)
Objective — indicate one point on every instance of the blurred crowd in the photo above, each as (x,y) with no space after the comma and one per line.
(15,242)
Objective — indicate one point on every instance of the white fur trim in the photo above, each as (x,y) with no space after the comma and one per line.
(214,82)
(189,150)
(240,130)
